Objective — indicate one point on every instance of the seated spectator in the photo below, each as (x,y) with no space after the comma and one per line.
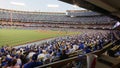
(63,55)
(13,64)
(18,60)
(81,46)
(33,63)
(95,48)
(117,53)
(88,49)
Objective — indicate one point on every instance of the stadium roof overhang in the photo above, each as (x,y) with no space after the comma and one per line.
(108,7)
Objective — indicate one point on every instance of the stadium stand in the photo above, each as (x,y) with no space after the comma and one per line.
(36,20)
(84,17)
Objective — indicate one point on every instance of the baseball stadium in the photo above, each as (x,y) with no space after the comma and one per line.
(59,34)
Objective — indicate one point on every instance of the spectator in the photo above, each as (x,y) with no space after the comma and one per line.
(13,64)
(63,55)
(33,63)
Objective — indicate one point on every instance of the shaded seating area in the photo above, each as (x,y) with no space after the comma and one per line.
(103,60)
(81,58)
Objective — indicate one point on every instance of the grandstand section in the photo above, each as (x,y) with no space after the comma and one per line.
(74,19)
(84,17)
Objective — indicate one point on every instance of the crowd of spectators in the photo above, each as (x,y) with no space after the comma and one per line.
(19,25)
(30,56)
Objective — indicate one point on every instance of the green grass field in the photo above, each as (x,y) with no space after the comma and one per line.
(13,37)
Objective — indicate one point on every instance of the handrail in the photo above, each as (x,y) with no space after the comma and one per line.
(99,52)
(115,47)
(61,62)
(75,53)
(80,51)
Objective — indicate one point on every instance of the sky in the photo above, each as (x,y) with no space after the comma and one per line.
(38,5)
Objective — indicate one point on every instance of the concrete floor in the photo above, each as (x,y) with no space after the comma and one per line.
(101,65)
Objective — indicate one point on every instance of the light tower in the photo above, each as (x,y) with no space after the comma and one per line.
(11,17)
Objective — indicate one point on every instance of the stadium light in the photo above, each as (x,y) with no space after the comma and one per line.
(17,3)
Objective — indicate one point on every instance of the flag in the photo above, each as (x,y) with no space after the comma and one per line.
(91,60)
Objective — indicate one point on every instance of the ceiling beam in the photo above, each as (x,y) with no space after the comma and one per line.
(102,4)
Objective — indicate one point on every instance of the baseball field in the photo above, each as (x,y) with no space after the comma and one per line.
(14,37)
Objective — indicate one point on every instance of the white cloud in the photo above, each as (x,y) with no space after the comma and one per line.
(52,6)
(17,3)
(75,6)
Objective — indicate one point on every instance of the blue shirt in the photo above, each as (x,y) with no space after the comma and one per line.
(81,46)
(88,50)
(2,50)
(32,64)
